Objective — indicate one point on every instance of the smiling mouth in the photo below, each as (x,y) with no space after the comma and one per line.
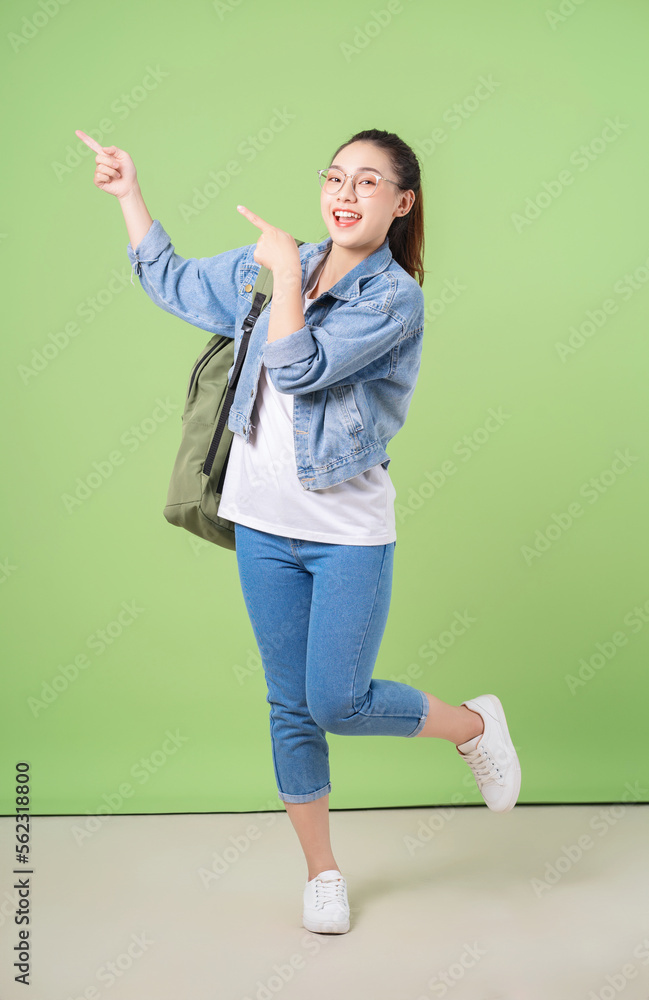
(345,220)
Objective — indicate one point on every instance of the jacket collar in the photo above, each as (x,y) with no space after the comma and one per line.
(348,287)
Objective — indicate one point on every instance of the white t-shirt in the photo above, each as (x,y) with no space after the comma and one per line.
(262,489)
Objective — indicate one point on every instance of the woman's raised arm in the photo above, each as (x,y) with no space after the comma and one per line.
(116,174)
(203,291)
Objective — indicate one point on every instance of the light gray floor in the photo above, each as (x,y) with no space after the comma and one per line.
(543,903)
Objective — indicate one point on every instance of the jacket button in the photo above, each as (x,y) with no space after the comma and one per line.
(252,392)
(247,288)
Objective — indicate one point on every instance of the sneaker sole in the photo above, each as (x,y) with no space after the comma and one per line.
(328,927)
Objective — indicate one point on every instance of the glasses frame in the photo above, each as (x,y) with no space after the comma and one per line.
(379,178)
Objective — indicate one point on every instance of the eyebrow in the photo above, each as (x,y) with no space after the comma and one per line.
(338,167)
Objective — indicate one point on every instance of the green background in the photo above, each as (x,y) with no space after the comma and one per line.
(536,216)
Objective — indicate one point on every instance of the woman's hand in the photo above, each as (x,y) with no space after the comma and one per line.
(115,172)
(276,249)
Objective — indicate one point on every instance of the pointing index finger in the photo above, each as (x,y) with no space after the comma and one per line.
(89,141)
(255,219)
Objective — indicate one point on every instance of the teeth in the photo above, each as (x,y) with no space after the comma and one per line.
(347,215)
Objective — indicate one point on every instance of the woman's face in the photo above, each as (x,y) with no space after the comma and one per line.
(376,212)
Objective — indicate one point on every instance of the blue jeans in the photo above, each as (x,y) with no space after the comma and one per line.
(318,611)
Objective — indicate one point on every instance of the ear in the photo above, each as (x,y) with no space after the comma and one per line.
(410,202)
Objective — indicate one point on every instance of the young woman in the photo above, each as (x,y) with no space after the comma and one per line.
(330,371)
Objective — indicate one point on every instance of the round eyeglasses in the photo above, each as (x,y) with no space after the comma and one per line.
(364,182)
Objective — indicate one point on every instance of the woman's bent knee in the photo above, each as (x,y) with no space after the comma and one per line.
(334,718)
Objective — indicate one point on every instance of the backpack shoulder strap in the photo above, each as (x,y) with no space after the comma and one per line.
(261,295)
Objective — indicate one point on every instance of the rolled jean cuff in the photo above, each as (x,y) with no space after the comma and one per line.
(308,797)
(424,715)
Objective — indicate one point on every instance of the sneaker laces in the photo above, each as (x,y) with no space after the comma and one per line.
(483,766)
(329,890)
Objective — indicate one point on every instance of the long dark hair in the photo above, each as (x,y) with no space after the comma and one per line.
(406,233)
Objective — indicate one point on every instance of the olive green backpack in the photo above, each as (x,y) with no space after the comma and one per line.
(201,463)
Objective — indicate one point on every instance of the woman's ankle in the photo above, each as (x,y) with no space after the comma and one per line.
(324,867)
(455,723)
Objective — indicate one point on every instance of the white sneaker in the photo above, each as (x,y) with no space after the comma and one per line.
(491,755)
(326,909)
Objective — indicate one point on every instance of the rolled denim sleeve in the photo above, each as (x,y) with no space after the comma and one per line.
(352,337)
(203,291)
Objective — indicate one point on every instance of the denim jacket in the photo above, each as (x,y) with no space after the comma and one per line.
(351,369)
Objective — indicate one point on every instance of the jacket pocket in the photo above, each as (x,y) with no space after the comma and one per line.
(350,409)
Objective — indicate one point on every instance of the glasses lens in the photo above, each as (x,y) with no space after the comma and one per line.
(331,180)
(365,183)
